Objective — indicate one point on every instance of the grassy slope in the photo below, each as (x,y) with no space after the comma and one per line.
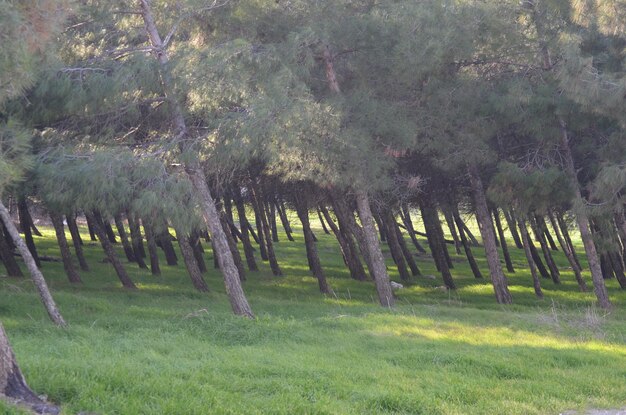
(167,349)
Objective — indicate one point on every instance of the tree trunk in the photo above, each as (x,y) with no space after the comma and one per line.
(583,223)
(228,208)
(542,268)
(136,240)
(568,239)
(98,227)
(405,250)
(466,244)
(378,270)
(22,208)
(270,210)
(128,249)
(259,228)
(245,234)
(408,225)
(190,262)
(568,254)
(433,228)
(311,248)
(198,251)
(324,227)
(66,256)
(503,244)
(76,240)
(381,228)
(546,232)
(510,221)
(529,257)
(271,256)
(37,277)
(394,246)
(152,248)
(554,271)
(618,268)
(232,245)
(237,298)
(13,386)
(470,235)
(284,220)
(8,259)
(164,240)
(500,285)
(348,249)
(452,228)
(109,230)
(92,234)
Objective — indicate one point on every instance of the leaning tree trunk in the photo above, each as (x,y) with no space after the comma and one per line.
(76,240)
(568,254)
(394,246)
(405,249)
(66,256)
(503,244)
(234,290)
(136,240)
(284,220)
(583,223)
(257,202)
(8,259)
(40,282)
(190,262)
(529,257)
(98,227)
(408,225)
(311,248)
(232,244)
(22,208)
(13,386)
(513,229)
(128,248)
(554,271)
(248,250)
(153,252)
(378,270)
(198,251)
(450,223)
(466,244)
(500,285)
(438,244)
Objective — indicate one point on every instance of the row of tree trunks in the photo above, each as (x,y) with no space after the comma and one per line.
(436,242)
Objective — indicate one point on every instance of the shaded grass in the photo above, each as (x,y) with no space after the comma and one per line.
(168,349)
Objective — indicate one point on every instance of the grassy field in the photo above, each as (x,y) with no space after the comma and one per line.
(166,349)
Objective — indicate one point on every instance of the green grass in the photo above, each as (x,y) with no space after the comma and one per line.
(166,349)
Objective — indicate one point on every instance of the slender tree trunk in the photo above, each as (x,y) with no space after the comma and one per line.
(568,239)
(381,228)
(259,228)
(546,232)
(190,262)
(311,248)
(470,235)
(348,249)
(22,208)
(13,386)
(109,230)
(503,244)
(431,238)
(568,254)
(455,236)
(378,270)
(66,255)
(245,234)
(433,226)
(76,240)
(324,227)
(500,285)
(37,277)
(270,208)
(8,259)
(618,267)
(164,240)
(284,220)
(583,223)
(394,247)
(237,298)
(92,234)
(466,244)
(510,221)
(542,269)
(136,240)
(232,245)
(529,257)
(554,271)
(98,227)
(228,208)
(152,247)
(408,225)
(128,249)
(271,256)
(198,251)
(405,250)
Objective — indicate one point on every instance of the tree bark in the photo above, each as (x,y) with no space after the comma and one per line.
(542,268)
(152,248)
(109,230)
(136,240)
(554,271)
(405,250)
(237,298)
(37,277)
(13,386)
(378,270)
(98,227)
(245,234)
(510,221)
(568,254)
(22,208)
(190,262)
(394,247)
(128,249)
(259,228)
(503,244)
(198,251)
(568,239)
(92,234)
(232,245)
(284,220)
(348,249)
(164,240)
(466,244)
(76,240)
(270,210)
(8,259)
(438,246)
(455,236)
(529,257)
(66,256)
(408,225)
(311,248)
(500,285)
(257,201)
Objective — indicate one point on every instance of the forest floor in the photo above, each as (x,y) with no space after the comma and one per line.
(167,349)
